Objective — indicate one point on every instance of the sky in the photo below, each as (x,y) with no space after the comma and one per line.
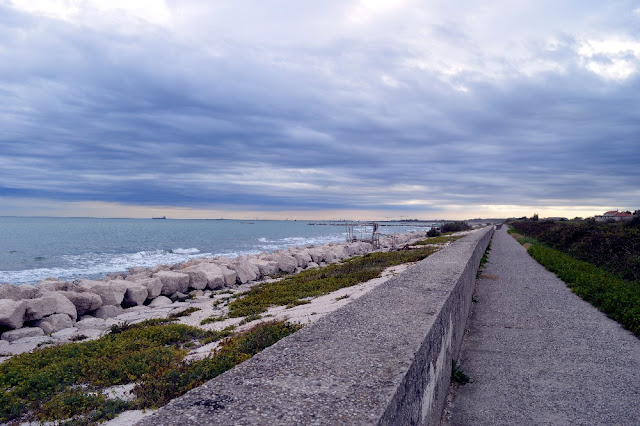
(331,109)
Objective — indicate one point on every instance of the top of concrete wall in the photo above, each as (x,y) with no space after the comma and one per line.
(344,369)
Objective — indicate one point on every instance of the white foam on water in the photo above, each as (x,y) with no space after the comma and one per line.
(97,265)
(185,251)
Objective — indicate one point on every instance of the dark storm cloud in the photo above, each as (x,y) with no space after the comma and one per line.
(143,117)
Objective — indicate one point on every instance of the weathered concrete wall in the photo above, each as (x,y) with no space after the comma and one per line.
(383,359)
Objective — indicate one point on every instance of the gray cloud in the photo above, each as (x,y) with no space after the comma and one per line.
(338,118)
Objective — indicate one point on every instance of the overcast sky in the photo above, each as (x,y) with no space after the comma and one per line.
(319,109)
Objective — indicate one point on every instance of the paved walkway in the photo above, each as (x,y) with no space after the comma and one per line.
(540,355)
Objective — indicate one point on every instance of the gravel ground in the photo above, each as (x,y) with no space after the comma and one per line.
(538,354)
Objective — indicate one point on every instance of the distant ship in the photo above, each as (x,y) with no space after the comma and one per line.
(163,217)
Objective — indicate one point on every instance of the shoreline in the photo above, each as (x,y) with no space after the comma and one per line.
(55,311)
(200,307)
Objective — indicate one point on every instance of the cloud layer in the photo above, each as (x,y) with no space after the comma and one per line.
(401,106)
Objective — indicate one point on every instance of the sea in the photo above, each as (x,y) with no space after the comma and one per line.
(35,248)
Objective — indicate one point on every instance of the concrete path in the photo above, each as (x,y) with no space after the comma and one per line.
(540,355)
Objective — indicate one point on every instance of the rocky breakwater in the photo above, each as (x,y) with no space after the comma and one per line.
(55,311)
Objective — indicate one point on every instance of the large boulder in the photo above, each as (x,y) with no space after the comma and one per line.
(12,313)
(245,271)
(55,322)
(160,301)
(17,292)
(213,274)
(302,257)
(138,277)
(230,276)
(317,254)
(172,282)
(107,311)
(48,304)
(285,262)
(111,292)
(91,323)
(266,268)
(13,335)
(340,252)
(84,302)
(153,286)
(135,295)
(53,284)
(197,278)
(137,270)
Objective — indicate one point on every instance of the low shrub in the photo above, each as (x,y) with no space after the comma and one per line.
(161,386)
(52,382)
(619,299)
(316,282)
(455,227)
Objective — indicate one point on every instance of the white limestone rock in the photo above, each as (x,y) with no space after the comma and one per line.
(84,302)
(266,268)
(53,284)
(27,344)
(285,262)
(55,322)
(197,277)
(172,282)
(13,335)
(153,286)
(214,274)
(110,292)
(245,272)
(137,270)
(12,313)
(91,323)
(17,292)
(317,254)
(160,301)
(107,311)
(135,295)
(64,334)
(47,304)
(230,276)
(302,257)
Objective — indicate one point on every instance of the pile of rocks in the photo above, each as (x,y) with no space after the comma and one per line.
(59,310)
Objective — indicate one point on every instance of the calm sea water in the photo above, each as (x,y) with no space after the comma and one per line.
(32,249)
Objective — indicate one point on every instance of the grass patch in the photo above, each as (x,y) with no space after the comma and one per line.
(64,383)
(184,313)
(618,298)
(61,381)
(316,282)
(249,318)
(442,239)
(167,383)
(213,318)
(457,375)
(483,260)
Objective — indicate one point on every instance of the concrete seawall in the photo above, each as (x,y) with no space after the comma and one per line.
(383,359)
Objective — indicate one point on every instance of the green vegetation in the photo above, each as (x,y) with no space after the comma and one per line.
(457,375)
(611,246)
(455,227)
(184,312)
(213,318)
(316,282)
(174,380)
(433,232)
(65,381)
(483,260)
(441,239)
(619,299)
(600,285)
